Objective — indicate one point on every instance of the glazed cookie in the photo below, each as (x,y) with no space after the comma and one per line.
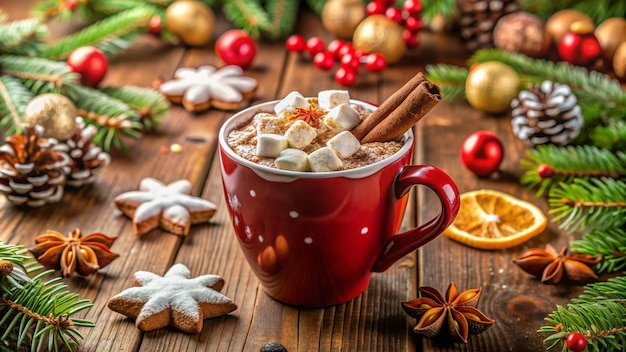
(172,300)
(169,206)
(198,89)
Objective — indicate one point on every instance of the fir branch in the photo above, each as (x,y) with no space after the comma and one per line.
(611,289)
(38,74)
(568,163)
(612,136)
(598,203)
(109,35)
(316,5)
(283,14)
(433,8)
(14,97)
(451,79)
(22,37)
(113,118)
(150,104)
(248,15)
(598,10)
(610,244)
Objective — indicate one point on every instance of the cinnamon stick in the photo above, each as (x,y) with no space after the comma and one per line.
(388,106)
(412,109)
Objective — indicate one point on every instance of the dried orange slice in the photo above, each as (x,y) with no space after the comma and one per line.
(489,219)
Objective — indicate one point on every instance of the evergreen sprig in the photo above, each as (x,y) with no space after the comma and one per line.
(433,8)
(110,35)
(450,78)
(570,162)
(599,314)
(612,136)
(598,10)
(151,105)
(283,14)
(248,15)
(14,97)
(610,244)
(39,75)
(23,37)
(582,204)
(35,314)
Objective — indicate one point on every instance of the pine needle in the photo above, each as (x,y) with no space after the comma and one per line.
(610,244)
(151,105)
(248,15)
(451,79)
(23,37)
(14,97)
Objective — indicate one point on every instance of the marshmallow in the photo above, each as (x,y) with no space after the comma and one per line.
(342,118)
(268,124)
(292,101)
(293,160)
(324,159)
(300,134)
(344,144)
(328,99)
(270,145)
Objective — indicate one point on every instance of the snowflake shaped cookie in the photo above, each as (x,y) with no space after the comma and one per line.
(198,89)
(169,206)
(173,299)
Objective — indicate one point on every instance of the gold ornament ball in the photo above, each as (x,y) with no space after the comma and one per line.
(55,113)
(559,23)
(619,61)
(192,21)
(379,34)
(341,17)
(491,86)
(611,33)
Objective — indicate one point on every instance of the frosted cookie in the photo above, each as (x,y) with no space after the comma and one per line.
(199,89)
(172,300)
(170,207)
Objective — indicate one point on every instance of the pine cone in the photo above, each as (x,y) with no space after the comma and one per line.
(478,17)
(546,113)
(87,159)
(31,173)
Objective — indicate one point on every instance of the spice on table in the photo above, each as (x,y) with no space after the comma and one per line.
(552,267)
(455,315)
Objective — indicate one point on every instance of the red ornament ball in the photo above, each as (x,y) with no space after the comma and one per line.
(544,171)
(324,60)
(579,46)
(90,63)
(236,47)
(576,342)
(295,43)
(482,152)
(375,62)
(345,76)
(314,45)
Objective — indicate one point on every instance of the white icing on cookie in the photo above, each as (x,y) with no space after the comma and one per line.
(176,291)
(200,85)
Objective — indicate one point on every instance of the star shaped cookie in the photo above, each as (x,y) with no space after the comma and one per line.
(198,89)
(172,300)
(169,206)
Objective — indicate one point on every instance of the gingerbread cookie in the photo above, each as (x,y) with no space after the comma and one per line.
(198,89)
(171,207)
(172,300)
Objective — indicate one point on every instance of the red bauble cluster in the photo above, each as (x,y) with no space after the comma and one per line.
(576,342)
(407,16)
(324,57)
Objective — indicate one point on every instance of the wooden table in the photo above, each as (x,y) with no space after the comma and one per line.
(372,322)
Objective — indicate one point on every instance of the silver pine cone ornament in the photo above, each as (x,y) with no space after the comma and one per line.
(87,160)
(31,172)
(546,113)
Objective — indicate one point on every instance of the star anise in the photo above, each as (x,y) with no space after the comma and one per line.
(85,255)
(552,267)
(456,314)
(310,115)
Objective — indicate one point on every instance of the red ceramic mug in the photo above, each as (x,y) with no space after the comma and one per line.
(313,239)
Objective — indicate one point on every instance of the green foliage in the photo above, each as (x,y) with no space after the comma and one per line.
(610,244)
(150,104)
(36,314)
(432,8)
(22,37)
(14,97)
(450,78)
(316,5)
(248,15)
(598,203)
(612,136)
(39,75)
(568,163)
(283,14)
(598,10)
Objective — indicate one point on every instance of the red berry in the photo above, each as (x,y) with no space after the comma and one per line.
(413,24)
(413,7)
(71,4)
(155,25)
(394,14)
(410,39)
(345,76)
(375,62)
(576,342)
(347,48)
(90,63)
(324,60)
(544,171)
(350,61)
(295,43)
(314,45)
(482,152)
(375,8)
(334,47)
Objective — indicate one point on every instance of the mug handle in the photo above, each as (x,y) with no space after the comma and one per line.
(447,192)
